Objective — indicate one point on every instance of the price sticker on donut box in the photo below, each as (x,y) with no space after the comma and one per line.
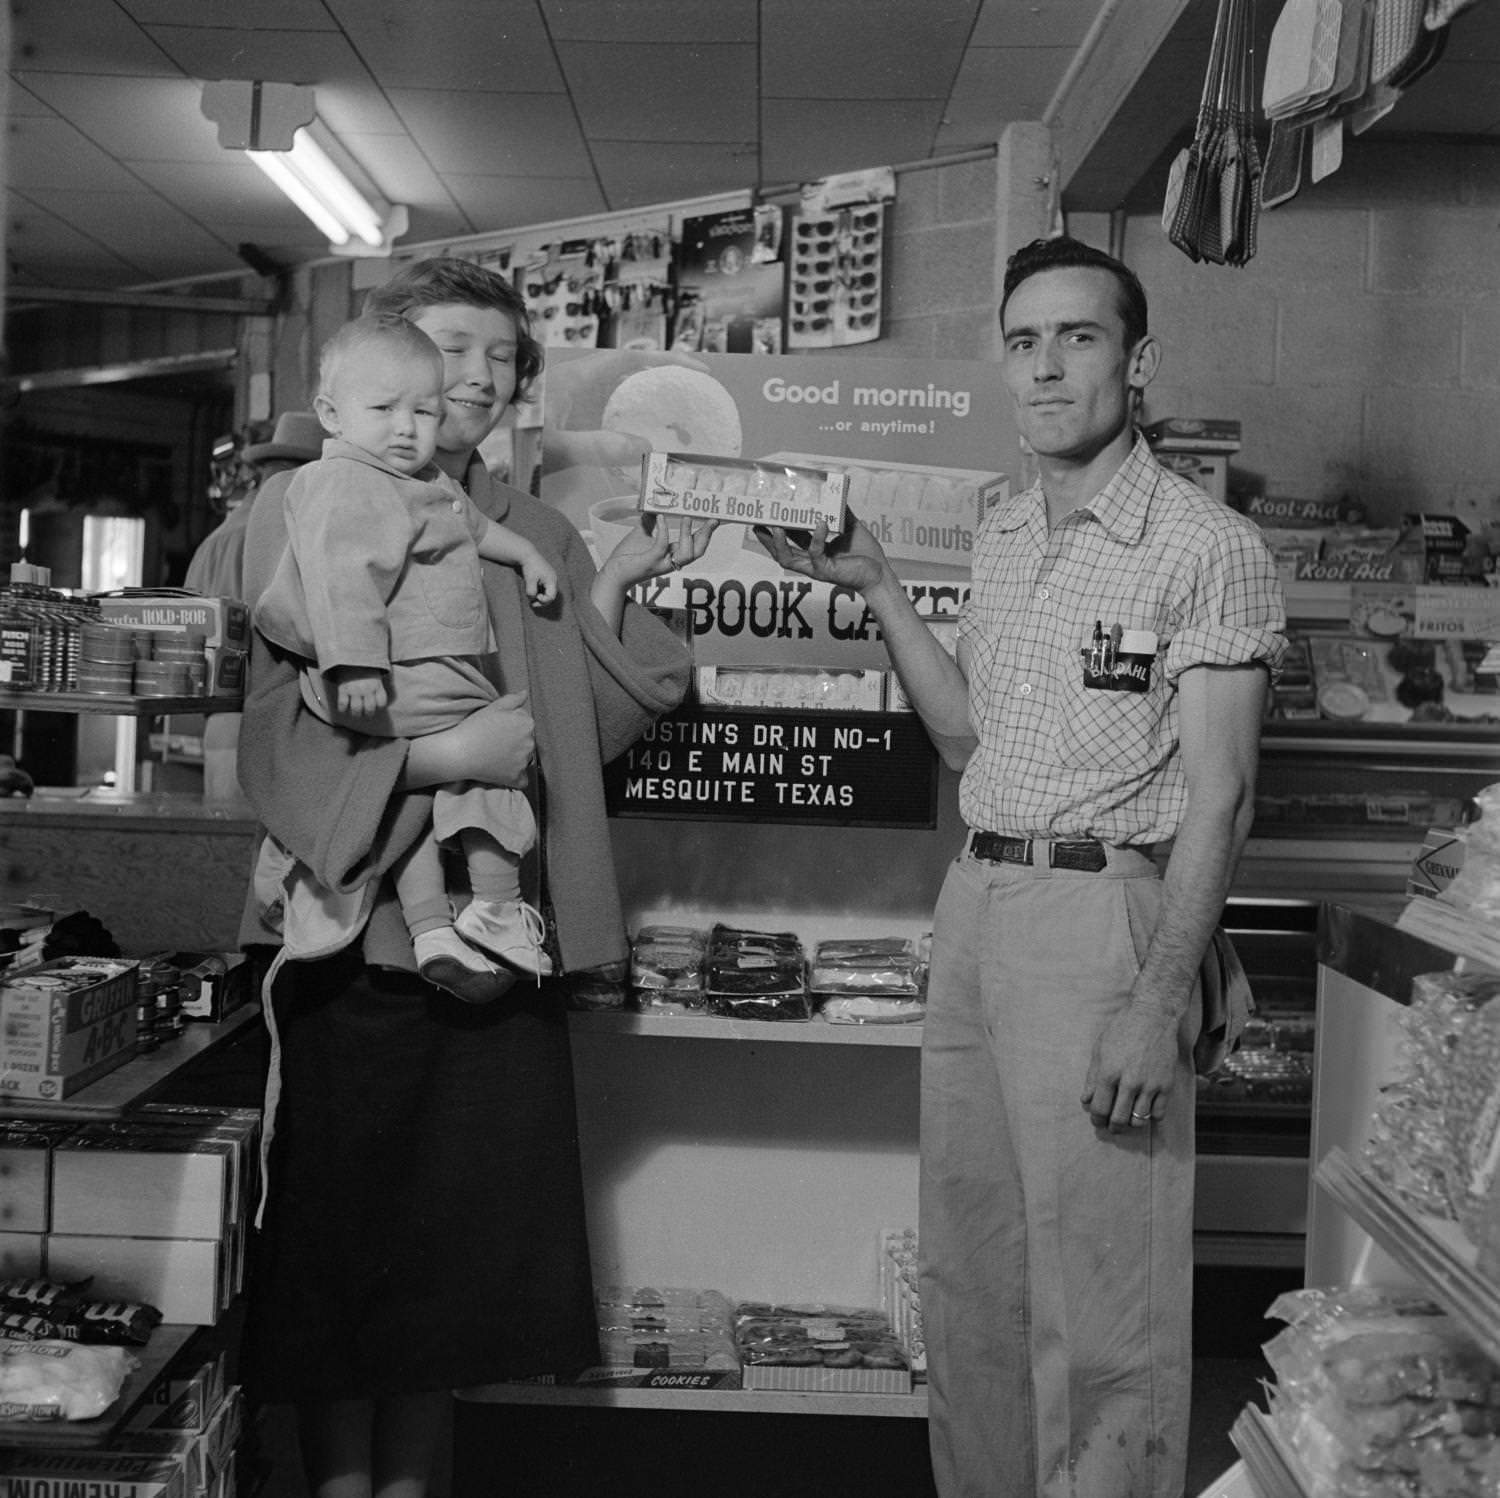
(786,495)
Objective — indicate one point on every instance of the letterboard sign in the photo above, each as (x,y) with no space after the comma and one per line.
(831,768)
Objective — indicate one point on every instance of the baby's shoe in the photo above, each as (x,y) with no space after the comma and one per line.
(455,967)
(511,930)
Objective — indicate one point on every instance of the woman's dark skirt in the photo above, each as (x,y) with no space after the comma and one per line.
(425,1225)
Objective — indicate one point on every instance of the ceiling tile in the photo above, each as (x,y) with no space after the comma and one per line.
(691,92)
(850,135)
(836,50)
(138,226)
(996,85)
(156,119)
(51,153)
(481,44)
(213,194)
(650,20)
(398,169)
(350,108)
(20,99)
(269,56)
(47,252)
(1034,23)
(262,15)
(83,36)
(633,177)
(517,202)
(520,135)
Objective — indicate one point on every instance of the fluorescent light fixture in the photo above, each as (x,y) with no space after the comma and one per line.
(308,176)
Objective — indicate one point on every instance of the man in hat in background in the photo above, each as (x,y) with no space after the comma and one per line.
(217,566)
(217,569)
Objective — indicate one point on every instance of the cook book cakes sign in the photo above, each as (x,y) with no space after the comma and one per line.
(831,768)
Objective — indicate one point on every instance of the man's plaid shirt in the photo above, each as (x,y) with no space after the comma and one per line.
(1150,552)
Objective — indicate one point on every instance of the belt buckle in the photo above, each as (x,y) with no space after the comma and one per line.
(1086,856)
(1015,850)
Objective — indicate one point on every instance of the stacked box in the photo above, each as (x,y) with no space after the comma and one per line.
(917,512)
(671,1338)
(899,1295)
(191,1414)
(118,1474)
(64,1024)
(224,624)
(155,1207)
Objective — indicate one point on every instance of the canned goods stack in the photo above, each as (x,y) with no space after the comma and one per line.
(106,659)
(158,1010)
(40,632)
(178,666)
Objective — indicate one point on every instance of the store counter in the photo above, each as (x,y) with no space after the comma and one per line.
(162,872)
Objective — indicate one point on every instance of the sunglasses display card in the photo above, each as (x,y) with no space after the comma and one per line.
(834,274)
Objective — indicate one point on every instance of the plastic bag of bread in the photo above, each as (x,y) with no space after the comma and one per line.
(60,1380)
(1376,1386)
(1410,1146)
(1476,886)
(1471,1106)
(666,967)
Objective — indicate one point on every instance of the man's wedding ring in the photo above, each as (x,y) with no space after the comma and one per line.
(1141,1116)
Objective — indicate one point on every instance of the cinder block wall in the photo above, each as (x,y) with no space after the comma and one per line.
(1361,345)
(940,295)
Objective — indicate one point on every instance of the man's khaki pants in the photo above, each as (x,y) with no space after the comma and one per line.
(1057,1260)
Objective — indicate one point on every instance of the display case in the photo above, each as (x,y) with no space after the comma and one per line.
(1359,1232)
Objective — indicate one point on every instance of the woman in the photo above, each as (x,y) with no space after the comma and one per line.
(424,1227)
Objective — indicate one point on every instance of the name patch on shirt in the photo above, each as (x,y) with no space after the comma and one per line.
(1118,659)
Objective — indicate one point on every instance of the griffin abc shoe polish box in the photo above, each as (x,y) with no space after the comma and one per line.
(64,1024)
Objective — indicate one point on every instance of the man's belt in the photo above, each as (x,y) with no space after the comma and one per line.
(1085,856)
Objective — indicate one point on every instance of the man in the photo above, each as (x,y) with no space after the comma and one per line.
(217,566)
(217,570)
(1110,678)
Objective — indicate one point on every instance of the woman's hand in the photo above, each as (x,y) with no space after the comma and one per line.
(494,746)
(658,545)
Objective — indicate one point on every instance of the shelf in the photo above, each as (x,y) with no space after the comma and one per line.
(718,1401)
(53,1435)
(1414,741)
(1275,1471)
(1435,1252)
(119,705)
(716,1027)
(129,1084)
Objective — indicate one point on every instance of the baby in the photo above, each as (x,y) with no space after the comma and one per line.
(380,590)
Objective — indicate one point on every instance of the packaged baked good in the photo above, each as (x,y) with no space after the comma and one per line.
(756,975)
(1411,1146)
(811,1335)
(869,981)
(1376,1386)
(666,967)
(600,987)
(783,495)
(643,1327)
